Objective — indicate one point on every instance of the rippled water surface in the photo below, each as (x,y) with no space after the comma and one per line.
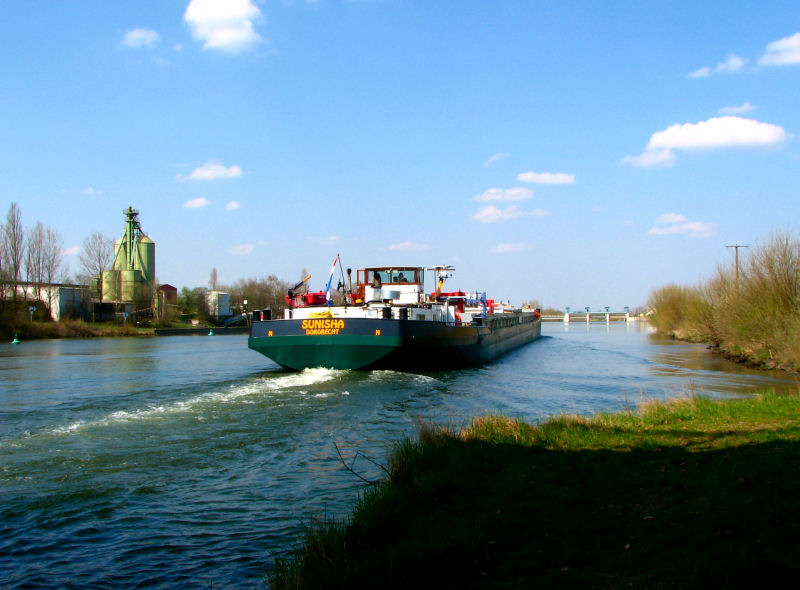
(192,461)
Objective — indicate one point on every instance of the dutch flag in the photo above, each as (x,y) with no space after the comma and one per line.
(330,279)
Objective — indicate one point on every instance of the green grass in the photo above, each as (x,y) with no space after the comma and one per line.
(690,494)
(27,330)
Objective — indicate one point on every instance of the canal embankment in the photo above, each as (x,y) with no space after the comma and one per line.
(749,312)
(693,493)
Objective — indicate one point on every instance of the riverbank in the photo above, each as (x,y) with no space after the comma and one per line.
(690,494)
(79,329)
(748,313)
(71,329)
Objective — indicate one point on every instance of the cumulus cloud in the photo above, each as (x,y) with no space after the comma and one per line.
(782,52)
(546,177)
(519,193)
(738,110)
(676,223)
(92,191)
(233,206)
(223,25)
(212,170)
(651,158)
(241,250)
(715,133)
(507,248)
(496,158)
(141,38)
(197,203)
(493,214)
(718,132)
(734,63)
(72,251)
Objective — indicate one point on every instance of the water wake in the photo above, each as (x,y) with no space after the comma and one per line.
(252,391)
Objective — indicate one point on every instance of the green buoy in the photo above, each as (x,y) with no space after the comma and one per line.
(211,332)
(16,340)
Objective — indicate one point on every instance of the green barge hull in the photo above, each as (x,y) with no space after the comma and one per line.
(396,344)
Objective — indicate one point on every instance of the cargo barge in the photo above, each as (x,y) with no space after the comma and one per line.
(387,321)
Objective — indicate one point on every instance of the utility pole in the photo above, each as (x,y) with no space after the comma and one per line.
(736,249)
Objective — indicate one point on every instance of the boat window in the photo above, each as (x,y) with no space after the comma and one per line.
(382,277)
(405,275)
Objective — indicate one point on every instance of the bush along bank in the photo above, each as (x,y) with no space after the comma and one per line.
(752,314)
(689,494)
(68,329)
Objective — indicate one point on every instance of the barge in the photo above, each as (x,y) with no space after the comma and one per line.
(387,321)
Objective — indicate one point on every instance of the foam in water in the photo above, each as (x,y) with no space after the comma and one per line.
(237,393)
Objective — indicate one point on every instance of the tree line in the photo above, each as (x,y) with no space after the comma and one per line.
(29,258)
(33,258)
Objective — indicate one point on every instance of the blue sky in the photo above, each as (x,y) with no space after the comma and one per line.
(579,153)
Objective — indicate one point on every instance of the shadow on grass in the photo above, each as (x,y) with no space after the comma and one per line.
(469,514)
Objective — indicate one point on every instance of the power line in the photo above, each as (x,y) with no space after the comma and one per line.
(736,248)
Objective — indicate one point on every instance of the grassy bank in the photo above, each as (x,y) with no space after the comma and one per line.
(752,315)
(70,329)
(690,494)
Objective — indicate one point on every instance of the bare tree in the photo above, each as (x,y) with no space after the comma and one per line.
(52,261)
(3,266)
(34,259)
(14,245)
(97,255)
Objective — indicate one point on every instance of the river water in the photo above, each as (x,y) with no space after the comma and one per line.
(191,461)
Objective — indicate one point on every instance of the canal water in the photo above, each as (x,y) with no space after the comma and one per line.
(191,461)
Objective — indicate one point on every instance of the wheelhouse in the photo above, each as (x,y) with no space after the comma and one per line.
(400,284)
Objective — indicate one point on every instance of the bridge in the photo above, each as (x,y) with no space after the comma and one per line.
(586,316)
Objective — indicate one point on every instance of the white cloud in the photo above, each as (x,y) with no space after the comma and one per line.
(734,63)
(92,191)
(72,251)
(496,158)
(782,52)
(232,206)
(519,193)
(507,248)
(668,218)
(241,250)
(212,170)
(408,247)
(738,110)
(546,177)
(703,72)
(223,25)
(141,38)
(651,158)
(675,223)
(715,133)
(718,132)
(197,203)
(492,214)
